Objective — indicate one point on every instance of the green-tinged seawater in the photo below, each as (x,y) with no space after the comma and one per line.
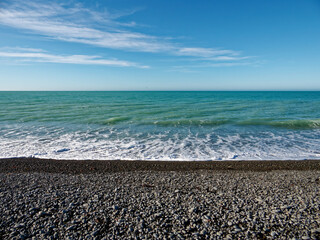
(160,125)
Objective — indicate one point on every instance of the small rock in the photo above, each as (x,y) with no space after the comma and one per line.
(192,210)
(273,234)
(115,207)
(43,214)
(95,233)
(73,227)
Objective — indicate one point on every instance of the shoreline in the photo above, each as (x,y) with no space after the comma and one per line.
(107,166)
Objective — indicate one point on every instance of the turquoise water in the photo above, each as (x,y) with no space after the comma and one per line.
(160,125)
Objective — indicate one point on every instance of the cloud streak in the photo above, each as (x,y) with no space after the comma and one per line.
(205,52)
(29,55)
(58,22)
(76,24)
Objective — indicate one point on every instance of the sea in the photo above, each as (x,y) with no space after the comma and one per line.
(147,125)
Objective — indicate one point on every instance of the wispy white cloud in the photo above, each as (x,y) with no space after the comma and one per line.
(74,23)
(230,64)
(195,68)
(228,58)
(205,52)
(21,49)
(29,55)
(210,54)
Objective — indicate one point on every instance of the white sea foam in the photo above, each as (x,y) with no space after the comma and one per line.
(127,144)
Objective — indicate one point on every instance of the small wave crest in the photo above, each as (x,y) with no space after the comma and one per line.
(190,122)
(113,120)
(289,124)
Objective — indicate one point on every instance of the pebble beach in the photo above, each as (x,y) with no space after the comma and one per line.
(210,201)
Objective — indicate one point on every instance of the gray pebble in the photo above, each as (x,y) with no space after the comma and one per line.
(249,205)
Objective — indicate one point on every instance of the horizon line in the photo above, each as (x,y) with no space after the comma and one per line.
(226,90)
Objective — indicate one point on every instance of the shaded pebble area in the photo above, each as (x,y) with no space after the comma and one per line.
(200,204)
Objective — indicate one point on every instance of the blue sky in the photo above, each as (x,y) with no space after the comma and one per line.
(160,45)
